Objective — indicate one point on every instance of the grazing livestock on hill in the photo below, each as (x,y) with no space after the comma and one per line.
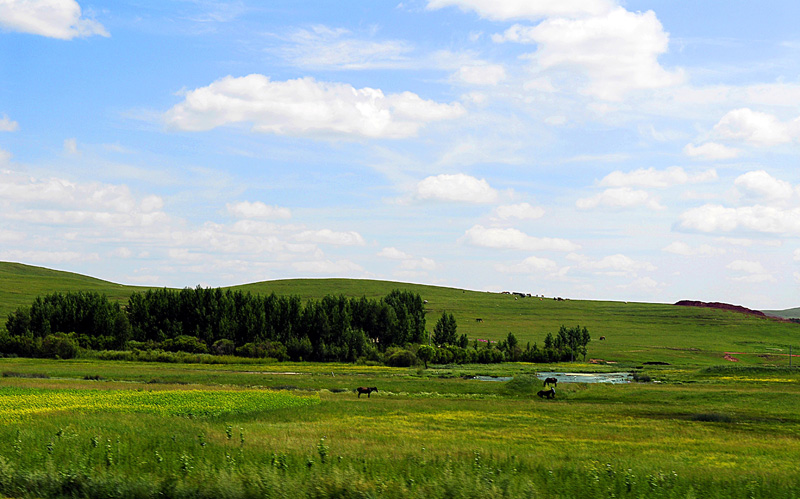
(550,381)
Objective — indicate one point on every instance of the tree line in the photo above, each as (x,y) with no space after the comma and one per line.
(226,322)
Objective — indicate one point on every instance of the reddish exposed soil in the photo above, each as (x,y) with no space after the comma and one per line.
(723,306)
(728,357)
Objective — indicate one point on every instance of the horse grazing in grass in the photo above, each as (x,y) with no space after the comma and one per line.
(550,381)
(367,390)
(549,394)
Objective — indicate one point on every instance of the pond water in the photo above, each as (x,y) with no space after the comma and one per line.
(614,378)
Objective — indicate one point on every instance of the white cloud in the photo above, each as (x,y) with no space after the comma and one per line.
(763,185)
(328,267)
(514,239)
(622,197)
(306,107)
(717,218)
(650,177)
(5,156)
(327,236)
(481,74)
(7,125)
(754,127)
(618,264)
(47,256)
(325,47)
(530,265)
(617,51)
(505,10)
(394,254)
(257,210)
(681,248)
(754,272)
(51,18)
(711,151)
(521,211)
(458,188)
(408,262)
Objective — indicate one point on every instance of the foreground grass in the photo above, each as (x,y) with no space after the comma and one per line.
(732,433)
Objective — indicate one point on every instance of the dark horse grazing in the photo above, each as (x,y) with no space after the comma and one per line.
(367,390)
(550,381)
(550,394)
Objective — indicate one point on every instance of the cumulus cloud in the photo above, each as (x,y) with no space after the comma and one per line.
(7,125)
(711,151)
(51,18)
(457,188)
(650,177)
(755,128)
(761,184)
(60,201)
(306,107)
(394,254)
(617,51)
(758,218)
(622,197)
(681,248)
(527,9)
(521,211)
(514,239)
(257,210)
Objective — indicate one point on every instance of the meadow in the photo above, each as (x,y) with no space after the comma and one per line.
(109,429)
(704,427)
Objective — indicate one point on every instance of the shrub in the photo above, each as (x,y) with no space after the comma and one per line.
(184,343)
(59,346)
(223,347)
(398,357)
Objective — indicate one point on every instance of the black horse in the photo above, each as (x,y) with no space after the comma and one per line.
(550,381)
(550,394)
(367,390)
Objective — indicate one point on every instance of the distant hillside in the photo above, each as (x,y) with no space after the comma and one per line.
(721,306)
(633,332)
(789,313)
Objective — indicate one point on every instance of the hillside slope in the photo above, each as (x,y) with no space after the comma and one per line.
(634,332)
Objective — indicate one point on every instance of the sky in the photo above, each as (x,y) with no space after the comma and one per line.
(588,149)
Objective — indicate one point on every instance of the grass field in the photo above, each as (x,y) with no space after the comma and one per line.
(140,430)
(707,428)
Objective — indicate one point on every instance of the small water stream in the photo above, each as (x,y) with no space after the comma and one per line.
(614,378)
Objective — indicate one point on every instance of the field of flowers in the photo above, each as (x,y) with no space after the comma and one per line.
(17,403)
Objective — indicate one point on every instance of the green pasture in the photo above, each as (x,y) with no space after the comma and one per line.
(698,432)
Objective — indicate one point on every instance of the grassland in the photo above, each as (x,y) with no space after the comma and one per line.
(708,427)
(699,433)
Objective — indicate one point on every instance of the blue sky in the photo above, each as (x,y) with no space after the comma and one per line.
(595,149)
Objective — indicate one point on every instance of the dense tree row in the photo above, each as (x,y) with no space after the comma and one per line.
(201,319)
(225,322)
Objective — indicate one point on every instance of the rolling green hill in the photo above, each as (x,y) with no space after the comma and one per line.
(634,332)
(789,313)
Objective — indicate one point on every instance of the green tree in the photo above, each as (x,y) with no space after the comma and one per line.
(425,353)
(444,333)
